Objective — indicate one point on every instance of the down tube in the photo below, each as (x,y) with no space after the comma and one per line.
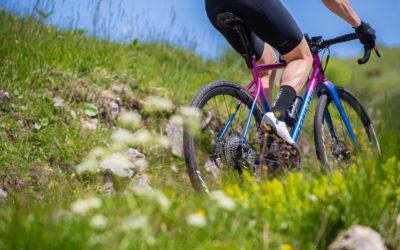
(307,98)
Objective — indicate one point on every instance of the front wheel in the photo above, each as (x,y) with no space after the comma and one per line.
(332,140)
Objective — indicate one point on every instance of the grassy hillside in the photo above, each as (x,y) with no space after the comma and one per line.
(50,205)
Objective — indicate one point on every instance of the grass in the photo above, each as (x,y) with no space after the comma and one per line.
(303,211)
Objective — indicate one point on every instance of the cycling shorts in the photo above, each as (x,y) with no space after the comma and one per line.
(266,20)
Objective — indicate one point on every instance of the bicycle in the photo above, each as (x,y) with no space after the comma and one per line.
(224,140)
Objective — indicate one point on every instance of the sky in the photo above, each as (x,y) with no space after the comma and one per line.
(184,23)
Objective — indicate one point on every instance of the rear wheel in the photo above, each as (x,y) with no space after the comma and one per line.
(340,149)
(207,156)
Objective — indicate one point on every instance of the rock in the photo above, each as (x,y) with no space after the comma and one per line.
(4,95)
(3,193)
(141,181)
(358,238)
(134,154)
(58,102)
(175,135)
(89,123)
(211,167)
(112,110)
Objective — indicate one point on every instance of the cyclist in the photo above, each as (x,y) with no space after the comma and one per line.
(270,24)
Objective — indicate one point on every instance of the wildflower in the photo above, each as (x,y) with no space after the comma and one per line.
(163,142)
(74,191)
(123,136)
(196,220)
(191,119)
(16,42)
(157,195)
(118,163)
(223,200)
(154,104)
(98,221)
(142,137)
(141,164)
(97,153)
(83,206)
(90,166)
(398,220)
(164,202)
(136,223)
(286,247)
(58,102)
(201,212)
(174,169)
(49,31)
(130,119)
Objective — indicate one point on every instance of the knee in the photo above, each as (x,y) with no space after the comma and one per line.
(308,58)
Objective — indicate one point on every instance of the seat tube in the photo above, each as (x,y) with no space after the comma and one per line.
(257,80)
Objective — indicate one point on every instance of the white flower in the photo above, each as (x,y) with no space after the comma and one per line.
(97,153)
(154,103)
(174,169)
(223,200)
(123,136)
(90,166)
(130,119)
(177,119)
(164,202)
(58,102)
(85,205)
(197,220)
(191,119)
(142,137)
(136,223)
(141,164)
(190,112)
(157,195)
(163,142)
(118,163)
(98,221)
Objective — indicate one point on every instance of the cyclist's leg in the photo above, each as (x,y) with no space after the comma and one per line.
(299,62)
(268,77)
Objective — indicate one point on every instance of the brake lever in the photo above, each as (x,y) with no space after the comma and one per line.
(365,58)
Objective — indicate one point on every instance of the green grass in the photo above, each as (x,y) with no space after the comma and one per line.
(39,63)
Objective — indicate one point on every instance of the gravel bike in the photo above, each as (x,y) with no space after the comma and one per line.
(230,118)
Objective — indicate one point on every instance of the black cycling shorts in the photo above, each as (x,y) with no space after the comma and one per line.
(266,20)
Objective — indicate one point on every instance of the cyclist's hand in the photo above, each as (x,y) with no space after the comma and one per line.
(368,36)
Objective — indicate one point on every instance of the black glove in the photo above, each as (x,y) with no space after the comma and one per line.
(368,36)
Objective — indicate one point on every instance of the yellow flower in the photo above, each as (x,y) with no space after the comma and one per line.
(49,31)
(200,212)
(74,191)
(286,247)
(16,42)
(141,102)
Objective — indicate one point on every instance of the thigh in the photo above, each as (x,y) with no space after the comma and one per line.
(268,20)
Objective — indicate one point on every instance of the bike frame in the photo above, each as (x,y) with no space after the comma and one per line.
(318,81)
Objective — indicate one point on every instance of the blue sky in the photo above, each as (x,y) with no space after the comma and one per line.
(184,22)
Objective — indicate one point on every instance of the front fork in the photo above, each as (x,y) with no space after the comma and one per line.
(336,100)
